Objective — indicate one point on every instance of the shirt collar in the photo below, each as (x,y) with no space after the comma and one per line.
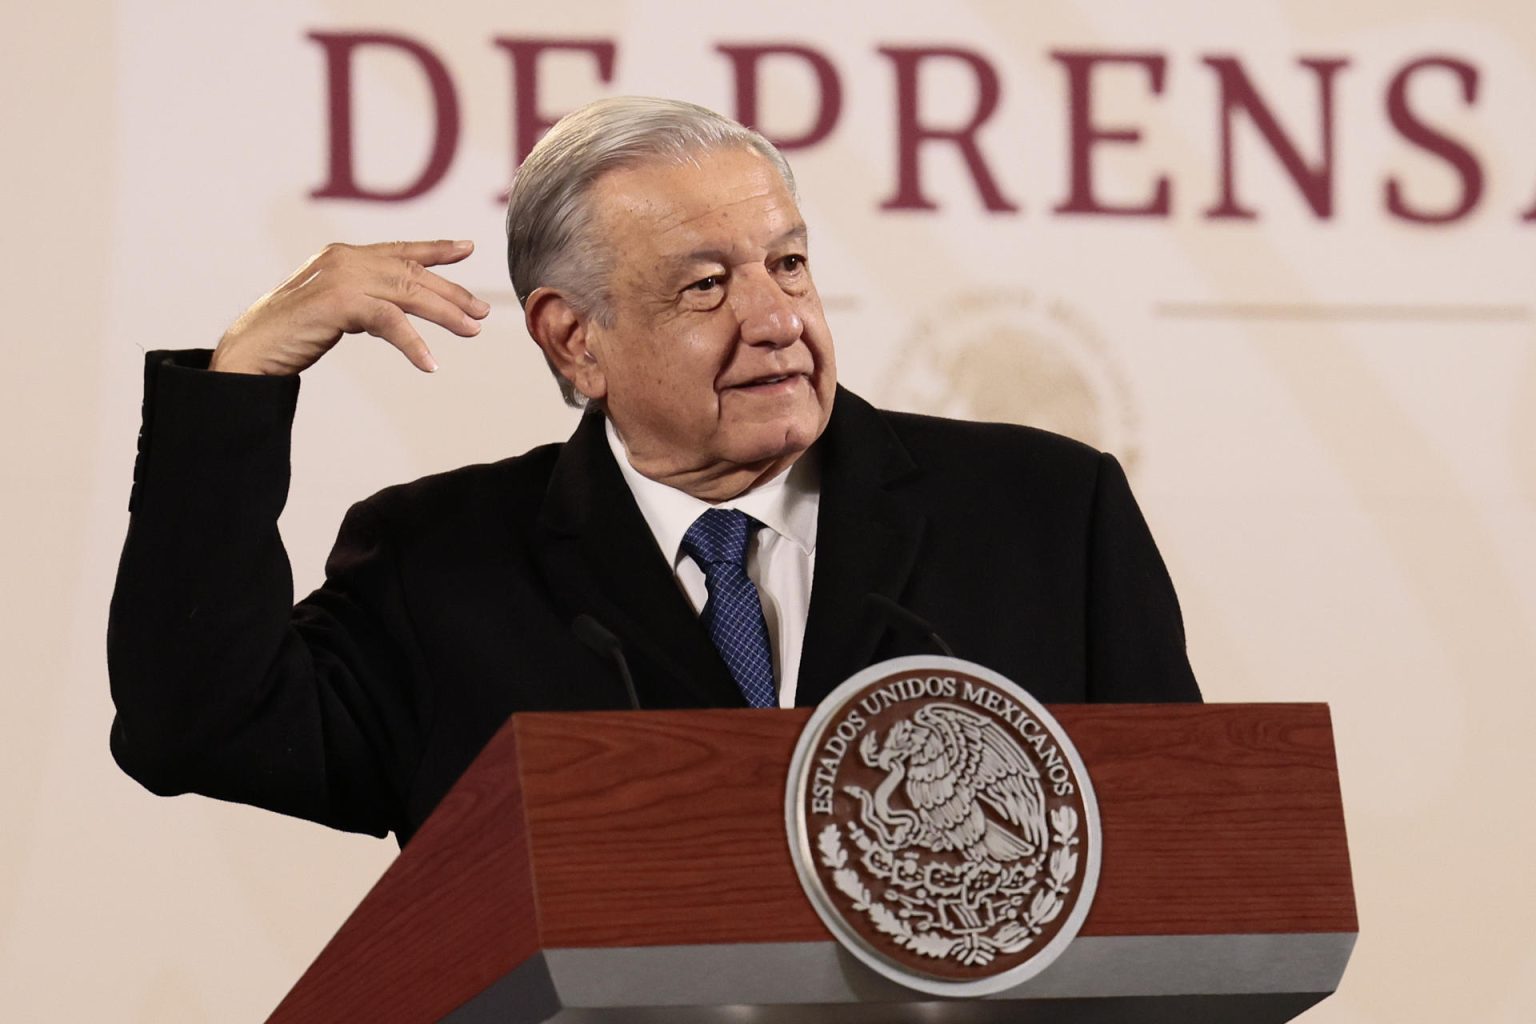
(787,504)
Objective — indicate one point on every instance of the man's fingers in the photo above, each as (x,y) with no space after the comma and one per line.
(408,262)
(457,294)
(428,254)
(412,292)
(386,320)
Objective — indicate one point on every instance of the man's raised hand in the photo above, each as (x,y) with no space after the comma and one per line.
(352,289)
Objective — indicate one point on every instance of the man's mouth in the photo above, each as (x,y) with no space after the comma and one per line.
(769,381)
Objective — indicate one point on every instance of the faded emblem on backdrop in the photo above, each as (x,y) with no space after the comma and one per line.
(1015,357)
(943,826)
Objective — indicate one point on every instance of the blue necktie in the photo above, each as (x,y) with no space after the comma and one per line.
(733,615)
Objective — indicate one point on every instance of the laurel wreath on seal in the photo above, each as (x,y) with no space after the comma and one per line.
(1011,937)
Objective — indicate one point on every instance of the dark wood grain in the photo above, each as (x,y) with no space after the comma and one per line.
(691,846)
(1218,819)
(452,914)
(662,828)
(668,827)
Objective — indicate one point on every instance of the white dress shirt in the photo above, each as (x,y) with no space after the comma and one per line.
(781,559)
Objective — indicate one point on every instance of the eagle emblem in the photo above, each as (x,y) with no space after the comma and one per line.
(954,766)
(945,827)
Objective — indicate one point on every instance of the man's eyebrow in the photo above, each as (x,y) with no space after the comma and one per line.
(677,264)
(798,233)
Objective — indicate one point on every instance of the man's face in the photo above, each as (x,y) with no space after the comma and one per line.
(718,369)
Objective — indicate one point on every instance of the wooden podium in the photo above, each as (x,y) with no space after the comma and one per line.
(633,866)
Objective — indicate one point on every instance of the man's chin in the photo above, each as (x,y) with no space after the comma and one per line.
(773,442)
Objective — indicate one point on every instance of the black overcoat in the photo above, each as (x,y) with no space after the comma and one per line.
(448,602)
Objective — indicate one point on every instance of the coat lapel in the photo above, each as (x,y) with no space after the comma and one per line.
(867,540)
(598,553)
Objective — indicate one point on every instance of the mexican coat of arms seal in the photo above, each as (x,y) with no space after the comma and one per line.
(943,826)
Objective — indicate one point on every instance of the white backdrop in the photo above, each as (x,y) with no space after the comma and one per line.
(1330,421)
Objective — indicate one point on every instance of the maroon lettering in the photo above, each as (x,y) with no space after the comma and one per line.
(1428,139)
(1084,134)
(911,133)
(528,124)
(744,63)
(1315,181)
(341,182)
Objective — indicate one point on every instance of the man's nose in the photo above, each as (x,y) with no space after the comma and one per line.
(766,312)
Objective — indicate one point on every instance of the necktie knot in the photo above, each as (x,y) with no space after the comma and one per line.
(720,536)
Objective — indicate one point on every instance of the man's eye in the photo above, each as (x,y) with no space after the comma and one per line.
(792,263)
(706,284)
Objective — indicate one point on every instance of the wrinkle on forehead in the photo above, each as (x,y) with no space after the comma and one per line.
(763,196)
(655,193)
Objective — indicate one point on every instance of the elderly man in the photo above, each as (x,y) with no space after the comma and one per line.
(741,524)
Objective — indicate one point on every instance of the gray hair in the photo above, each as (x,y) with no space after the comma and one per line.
(549,223)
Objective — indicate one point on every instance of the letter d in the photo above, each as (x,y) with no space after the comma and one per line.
(342,182)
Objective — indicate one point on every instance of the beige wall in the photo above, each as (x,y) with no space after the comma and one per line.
(1346,503)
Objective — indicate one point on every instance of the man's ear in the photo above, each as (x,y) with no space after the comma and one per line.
(561,332)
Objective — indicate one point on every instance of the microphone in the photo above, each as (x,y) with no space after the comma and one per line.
(603,643)
(892,610)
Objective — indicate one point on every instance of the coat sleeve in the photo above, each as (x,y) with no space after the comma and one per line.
(222,686)
(1136,648)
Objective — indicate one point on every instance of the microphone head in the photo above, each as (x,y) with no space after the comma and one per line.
(892,610)
(595,635)
(601,641)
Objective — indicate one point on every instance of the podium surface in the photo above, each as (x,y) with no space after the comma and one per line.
(633,866)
